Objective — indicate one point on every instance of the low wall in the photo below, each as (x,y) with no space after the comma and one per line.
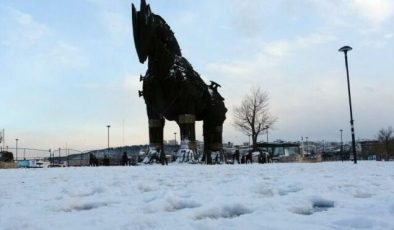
(7,165)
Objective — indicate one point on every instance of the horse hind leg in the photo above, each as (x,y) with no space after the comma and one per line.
(213,141)
(215,115)
(186,124)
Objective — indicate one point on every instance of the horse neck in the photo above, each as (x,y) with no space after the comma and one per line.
(160,62)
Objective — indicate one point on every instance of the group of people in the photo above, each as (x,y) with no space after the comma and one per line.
(247,158)
(93,161)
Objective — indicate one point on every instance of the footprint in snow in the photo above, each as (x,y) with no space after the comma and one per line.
(359,194)
(174,204)
(289,189)
(314,205)
(83,206)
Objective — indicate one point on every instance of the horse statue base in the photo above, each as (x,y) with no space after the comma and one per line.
(152,156)
(186,153)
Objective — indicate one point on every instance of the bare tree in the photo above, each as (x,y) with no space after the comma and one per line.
(385,137)
(252,116)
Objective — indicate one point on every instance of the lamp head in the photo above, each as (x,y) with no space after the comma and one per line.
(345,49)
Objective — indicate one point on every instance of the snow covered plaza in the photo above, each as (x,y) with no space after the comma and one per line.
(338,195)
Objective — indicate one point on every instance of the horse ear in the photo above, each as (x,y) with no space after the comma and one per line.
(148,10)
(143,6)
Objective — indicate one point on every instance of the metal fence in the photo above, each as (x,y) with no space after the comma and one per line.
(31,153)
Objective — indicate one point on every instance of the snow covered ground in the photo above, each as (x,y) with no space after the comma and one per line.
(337,195)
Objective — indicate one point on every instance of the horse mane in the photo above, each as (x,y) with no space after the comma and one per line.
(165,35)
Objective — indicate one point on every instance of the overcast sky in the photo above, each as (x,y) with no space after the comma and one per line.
(69,68)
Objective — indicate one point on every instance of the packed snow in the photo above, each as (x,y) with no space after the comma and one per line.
(337,195)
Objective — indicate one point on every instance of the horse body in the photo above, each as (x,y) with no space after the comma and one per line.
(172,89)
(172,94)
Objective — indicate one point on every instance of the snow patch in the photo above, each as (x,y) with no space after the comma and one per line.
(147,187)
(264,191)
(174,204)
(392,209)
(355,223)
(17,222)
(228,211)
(289,189)
(83,191)
(82,206)
(303,210)
(187,196)
(359,194)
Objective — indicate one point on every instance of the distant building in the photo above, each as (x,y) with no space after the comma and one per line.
(369,150)
(278,150)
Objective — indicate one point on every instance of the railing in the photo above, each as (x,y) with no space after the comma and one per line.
(21,153)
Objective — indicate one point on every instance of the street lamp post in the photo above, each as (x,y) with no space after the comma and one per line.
(108,126)
(3,140)
(175,137)
(16,149)
(50,157)
(345,49)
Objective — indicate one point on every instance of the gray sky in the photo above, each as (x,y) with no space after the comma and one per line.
(69,68)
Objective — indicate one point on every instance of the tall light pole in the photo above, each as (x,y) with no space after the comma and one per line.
(3,139)
(345,49)
(108,126)
(175,137)
(16,149)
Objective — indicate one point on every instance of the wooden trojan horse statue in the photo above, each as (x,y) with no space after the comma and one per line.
(173,90)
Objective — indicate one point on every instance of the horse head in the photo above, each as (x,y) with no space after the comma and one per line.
(151,32)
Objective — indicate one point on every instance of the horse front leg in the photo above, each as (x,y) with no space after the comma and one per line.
(156,127)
